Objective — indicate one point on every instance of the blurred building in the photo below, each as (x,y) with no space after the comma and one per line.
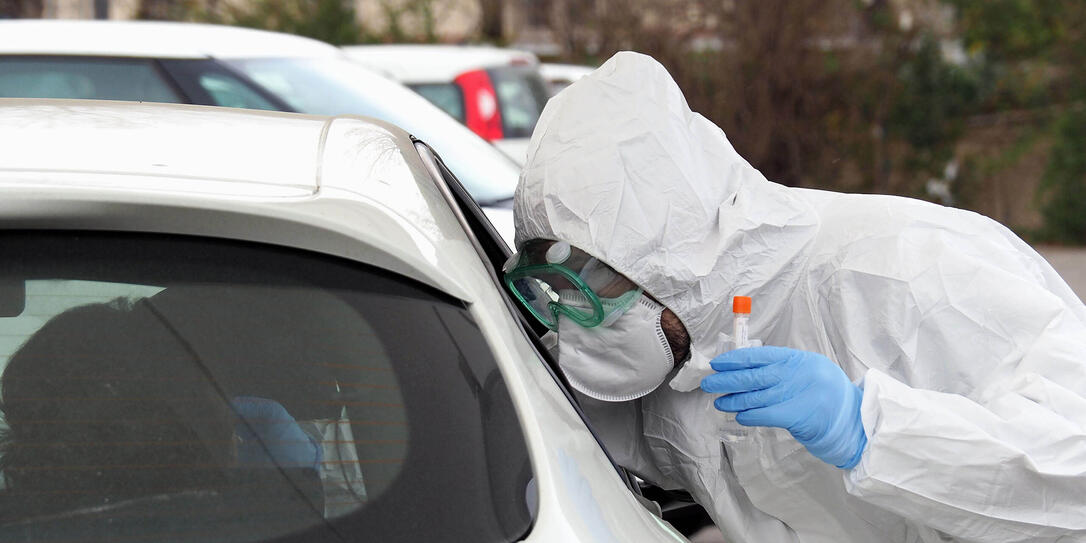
(69,9)
(546,27)
(444,20)
(449,21)
(523,23)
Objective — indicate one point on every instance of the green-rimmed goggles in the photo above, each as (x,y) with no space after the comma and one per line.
(551,278)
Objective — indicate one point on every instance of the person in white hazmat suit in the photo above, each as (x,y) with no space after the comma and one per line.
(926,375)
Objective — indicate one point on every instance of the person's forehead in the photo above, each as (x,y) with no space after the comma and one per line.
(537,247)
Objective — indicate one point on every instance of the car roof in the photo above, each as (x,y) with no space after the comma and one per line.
(348,186)
(564,72)
(257,150)
(151,39)
(435,63)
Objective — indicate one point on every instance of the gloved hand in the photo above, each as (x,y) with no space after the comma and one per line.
(802,392)
(270,437)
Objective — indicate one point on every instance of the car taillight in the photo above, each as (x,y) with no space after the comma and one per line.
(481,112)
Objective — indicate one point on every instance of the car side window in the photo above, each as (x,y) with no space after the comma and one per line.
(83,78)
(158,387)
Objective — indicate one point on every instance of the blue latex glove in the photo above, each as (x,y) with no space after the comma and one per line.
(270,437)
(802,392)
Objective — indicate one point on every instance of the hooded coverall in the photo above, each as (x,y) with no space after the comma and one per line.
(969,348)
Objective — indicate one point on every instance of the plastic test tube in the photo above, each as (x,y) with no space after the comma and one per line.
(741,321)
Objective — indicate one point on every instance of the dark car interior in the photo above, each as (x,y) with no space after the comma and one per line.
(128,409)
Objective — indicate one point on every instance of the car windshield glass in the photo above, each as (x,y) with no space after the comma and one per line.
(183,389)
(334,86)
(521,96)
(228,91)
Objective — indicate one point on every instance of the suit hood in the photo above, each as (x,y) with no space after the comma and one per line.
(620,167)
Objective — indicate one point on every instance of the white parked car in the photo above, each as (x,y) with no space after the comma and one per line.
(230,325)
(560,76)
(498,93)
(237,67)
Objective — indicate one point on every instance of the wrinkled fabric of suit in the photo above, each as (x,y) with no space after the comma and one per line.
(970,349)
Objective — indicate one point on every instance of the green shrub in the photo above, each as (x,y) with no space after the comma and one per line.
(331,21)
(930,110)
(1063,187)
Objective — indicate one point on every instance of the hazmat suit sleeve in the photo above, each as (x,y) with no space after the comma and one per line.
(972,354)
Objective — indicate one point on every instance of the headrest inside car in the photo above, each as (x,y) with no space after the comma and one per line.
(12,297)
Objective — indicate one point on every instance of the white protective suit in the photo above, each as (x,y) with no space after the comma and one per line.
(970,349)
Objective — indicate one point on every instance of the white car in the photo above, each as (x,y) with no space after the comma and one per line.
(229,325)
(560,76)
(237,67)
(496,92)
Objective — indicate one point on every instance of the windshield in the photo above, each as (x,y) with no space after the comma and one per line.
(333,86)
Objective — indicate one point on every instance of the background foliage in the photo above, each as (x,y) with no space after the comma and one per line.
(880,96)
(963,102)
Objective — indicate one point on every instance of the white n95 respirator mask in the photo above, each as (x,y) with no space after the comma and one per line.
(616,361)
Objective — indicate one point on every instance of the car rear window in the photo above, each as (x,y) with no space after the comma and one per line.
(521,97)
(159,388)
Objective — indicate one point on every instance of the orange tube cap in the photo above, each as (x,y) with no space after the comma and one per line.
(741,304)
